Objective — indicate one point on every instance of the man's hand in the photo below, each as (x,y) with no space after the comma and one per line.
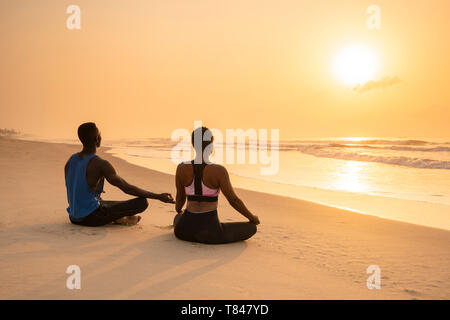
(166,197)
(255,220)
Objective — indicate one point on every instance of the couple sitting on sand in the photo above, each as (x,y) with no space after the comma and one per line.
(199,180)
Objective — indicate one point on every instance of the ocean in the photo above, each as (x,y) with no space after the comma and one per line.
(398,179)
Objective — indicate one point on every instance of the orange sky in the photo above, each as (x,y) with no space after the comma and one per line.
(144,68)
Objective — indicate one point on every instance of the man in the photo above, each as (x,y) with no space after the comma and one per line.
(85,173)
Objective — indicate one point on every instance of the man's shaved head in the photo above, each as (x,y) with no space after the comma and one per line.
(88,133)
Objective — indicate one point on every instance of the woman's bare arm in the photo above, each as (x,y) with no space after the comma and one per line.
(180,198)
(233,199)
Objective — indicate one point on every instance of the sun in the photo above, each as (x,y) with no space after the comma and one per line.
(355,64)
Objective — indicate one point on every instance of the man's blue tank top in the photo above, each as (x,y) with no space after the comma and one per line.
(82,201)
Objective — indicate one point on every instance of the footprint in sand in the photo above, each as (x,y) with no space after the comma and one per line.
(412,292)
(88,232)
(163,227)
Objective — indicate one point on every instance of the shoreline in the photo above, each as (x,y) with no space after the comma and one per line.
(302,250)
(415,212)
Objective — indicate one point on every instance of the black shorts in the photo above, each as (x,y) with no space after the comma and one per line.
(109,211)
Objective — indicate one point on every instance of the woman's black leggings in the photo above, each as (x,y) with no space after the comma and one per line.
(205,228)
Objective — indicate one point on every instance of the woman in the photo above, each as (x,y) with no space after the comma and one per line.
(201,182)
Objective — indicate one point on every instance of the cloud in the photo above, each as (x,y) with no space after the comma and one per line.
(382,83)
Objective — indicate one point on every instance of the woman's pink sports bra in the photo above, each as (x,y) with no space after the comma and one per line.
(197,191)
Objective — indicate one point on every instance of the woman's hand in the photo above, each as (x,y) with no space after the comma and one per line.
(255,220)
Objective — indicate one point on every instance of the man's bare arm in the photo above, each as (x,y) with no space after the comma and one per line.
(66,167)
(113,178)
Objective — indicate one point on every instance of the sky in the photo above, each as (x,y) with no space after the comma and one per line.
(142,69)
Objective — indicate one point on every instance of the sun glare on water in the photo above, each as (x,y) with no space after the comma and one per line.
(356,139)
(355,65)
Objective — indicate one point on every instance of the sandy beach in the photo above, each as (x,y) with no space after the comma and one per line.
(302,250)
